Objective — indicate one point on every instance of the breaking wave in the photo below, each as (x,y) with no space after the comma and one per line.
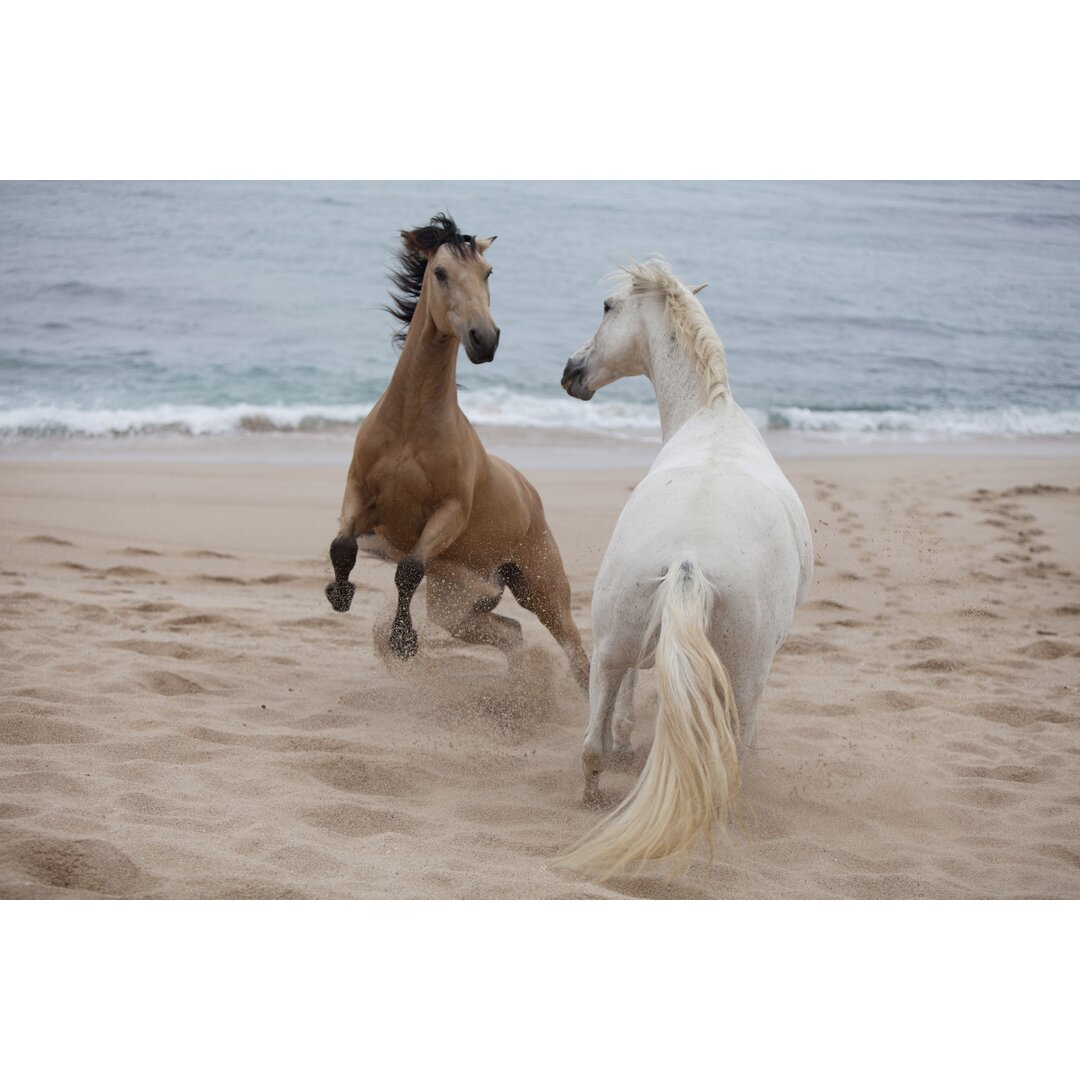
(501,408)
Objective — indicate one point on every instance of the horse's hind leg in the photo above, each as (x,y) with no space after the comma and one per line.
(355,519)
(604,691)
(623,723)
(466,612)
(539,585)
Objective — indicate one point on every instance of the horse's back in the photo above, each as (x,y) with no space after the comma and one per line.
(737,528)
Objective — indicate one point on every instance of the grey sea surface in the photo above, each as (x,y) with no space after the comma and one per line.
(852,313)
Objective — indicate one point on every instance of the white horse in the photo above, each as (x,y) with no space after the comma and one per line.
(709,559)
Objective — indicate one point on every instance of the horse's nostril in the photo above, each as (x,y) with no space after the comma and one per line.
(474,336)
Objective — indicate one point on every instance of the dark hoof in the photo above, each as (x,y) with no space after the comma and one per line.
(340,594)
(404,642)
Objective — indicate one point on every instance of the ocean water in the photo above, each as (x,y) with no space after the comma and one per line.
(849,311)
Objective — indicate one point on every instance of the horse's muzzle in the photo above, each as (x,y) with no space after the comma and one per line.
(573,380)
(480,344)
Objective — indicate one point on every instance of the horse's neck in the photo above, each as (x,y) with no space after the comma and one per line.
(423,388)
(673,371)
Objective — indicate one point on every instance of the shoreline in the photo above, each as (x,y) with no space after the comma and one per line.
(524,447)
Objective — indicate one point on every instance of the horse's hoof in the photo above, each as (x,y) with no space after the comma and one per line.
(404,642)
(592,796)
(340,594)
(622,758)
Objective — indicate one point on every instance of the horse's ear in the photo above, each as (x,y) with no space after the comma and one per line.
(695,289)
(483,245)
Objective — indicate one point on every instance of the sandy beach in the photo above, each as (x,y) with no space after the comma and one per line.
(183,716)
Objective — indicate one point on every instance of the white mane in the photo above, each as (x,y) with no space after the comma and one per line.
(692,326)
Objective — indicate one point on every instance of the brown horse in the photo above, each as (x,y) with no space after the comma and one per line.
(422,490)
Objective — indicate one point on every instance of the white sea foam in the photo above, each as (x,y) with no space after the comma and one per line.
(925,424)
(50,420)
(497,406)
(483,407)
(513,410)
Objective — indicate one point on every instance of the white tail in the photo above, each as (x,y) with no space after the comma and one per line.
(691,777)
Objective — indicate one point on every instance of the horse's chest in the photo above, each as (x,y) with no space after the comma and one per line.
(396,477)
(407,491)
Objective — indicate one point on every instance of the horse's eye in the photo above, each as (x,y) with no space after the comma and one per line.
(607,306)
(440,273)
(488,274)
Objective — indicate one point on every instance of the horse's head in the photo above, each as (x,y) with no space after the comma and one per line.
(618,348)
(454,284)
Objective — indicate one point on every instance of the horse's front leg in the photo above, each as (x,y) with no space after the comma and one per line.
(357,517)
(440,531)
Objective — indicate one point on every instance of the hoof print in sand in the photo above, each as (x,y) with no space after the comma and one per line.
(169,684)
(88,866)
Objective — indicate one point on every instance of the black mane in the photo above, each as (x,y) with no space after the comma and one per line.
(416,245)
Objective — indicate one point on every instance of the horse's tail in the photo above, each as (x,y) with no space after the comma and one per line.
(691,777)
